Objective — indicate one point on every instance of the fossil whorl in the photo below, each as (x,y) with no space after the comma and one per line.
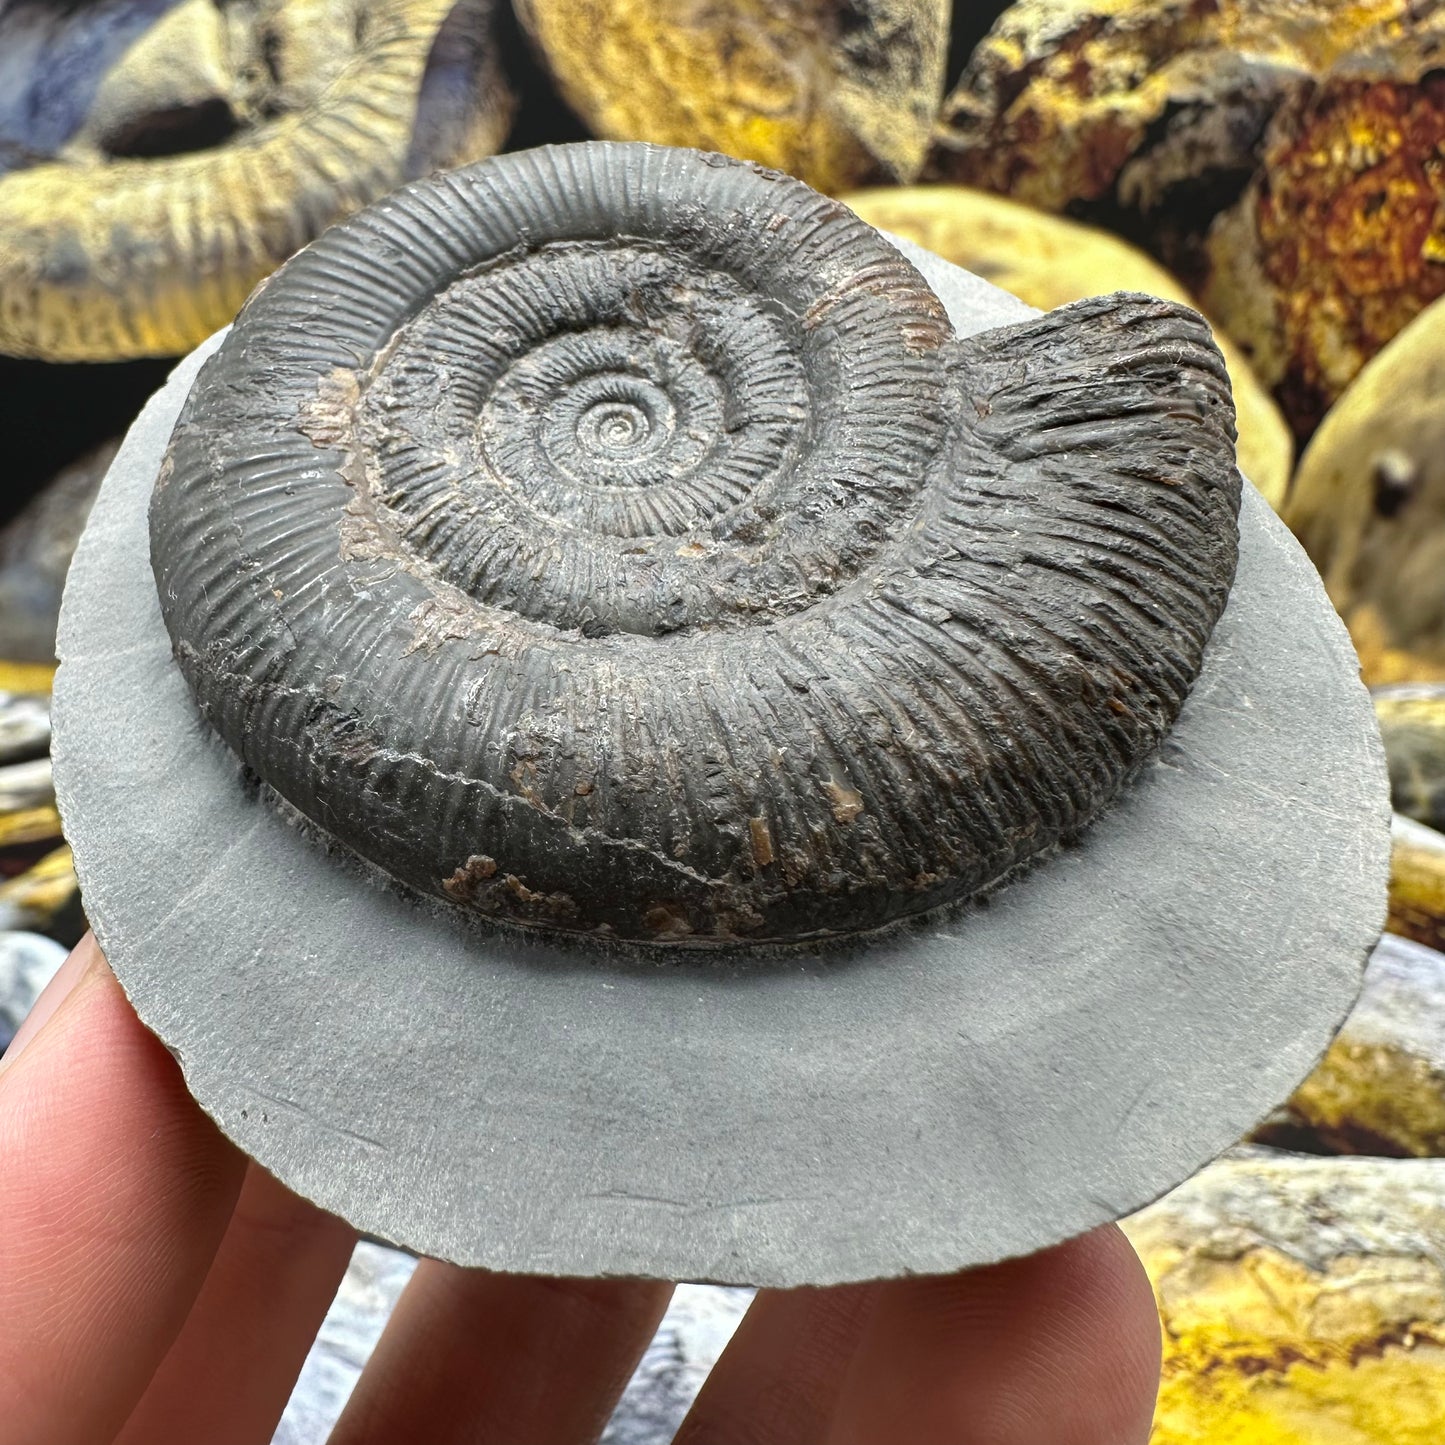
(615,538)
(218,142)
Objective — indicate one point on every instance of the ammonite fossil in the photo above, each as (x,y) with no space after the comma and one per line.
(836,94)
(1049,261)
(157,160)
(617,539)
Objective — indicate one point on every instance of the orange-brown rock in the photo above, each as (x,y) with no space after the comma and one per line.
(1339,243)
(1312,132)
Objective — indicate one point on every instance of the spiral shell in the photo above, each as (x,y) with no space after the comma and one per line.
(218,142)
(617,539)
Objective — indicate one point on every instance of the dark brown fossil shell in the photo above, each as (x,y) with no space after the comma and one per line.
(615,538)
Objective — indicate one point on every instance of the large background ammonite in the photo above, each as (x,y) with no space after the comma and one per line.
(961,1091)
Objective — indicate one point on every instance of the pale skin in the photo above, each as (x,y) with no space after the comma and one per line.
(157,1289)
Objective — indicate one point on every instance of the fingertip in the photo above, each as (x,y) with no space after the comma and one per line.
(115,1191)
(1062,1346)
(84,957)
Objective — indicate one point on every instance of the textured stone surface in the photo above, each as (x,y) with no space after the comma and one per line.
(1417,882)
(1412,727)
(35,552)
(834,94)
(1380,1089)
(715,591)
(1303,1302)
(1368,502)
(44,898)
(26,785)
(24,726)
(1309,130)
(1055,1058)
(157,161)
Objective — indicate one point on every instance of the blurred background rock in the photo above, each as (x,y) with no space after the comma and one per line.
(1279,162)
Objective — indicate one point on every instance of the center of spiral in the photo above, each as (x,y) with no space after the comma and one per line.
(612,427)
(609,428)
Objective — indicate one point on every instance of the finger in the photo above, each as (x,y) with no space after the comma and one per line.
(66,977)
(490,1359)
(778,1380)
(1061,1346)
(229,1374)
(115,1191)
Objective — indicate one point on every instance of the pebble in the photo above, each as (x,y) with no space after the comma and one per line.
(696,1328)
(1380,1089)
(24,726)
(1303,1301)
(26,785)
(28,962)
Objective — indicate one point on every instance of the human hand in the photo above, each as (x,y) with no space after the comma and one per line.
(158,1289)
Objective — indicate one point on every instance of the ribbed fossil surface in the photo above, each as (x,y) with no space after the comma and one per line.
(617,539)
(170,156)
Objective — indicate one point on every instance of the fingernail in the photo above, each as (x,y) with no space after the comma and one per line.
(83,958)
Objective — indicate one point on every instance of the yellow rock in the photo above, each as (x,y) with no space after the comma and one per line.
(1368,503)
(1303,1302)
(1086,100)
(1380,1088)
(1417,882)
(1048,262)
(835,94)
(29,825)
(1412,725)
(37,897)
(115,246)
(26,676)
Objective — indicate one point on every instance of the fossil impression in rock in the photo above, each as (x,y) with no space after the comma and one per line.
(617,539)
(158,159)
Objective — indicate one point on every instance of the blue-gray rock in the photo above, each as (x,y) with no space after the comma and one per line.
(698,1324)
(27,963)
(697,1327)
(372,1285)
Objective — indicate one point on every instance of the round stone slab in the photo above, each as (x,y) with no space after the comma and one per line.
(942,1095)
